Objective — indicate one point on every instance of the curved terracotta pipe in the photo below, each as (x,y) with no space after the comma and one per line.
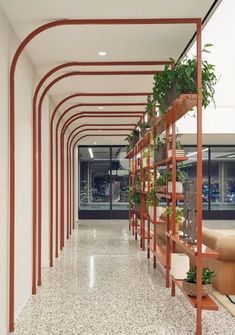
(69,173)
(51,151)
(39,198)
(65,126)
(73,151)
(14,62)
(35,96)
(69,164)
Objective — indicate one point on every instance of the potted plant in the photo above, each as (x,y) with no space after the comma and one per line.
(180,152)
(132,138)
(160,151)
(179,216)
(151,202)
(161,182)
(144,127)
(180,178)
(134,199)
(151,109)
(181,78)
(190,283)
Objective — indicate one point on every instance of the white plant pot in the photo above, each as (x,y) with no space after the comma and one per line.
(178,186)
(145,162)
(159,211)
(151,212)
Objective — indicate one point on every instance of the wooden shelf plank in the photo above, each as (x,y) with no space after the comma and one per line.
(207,302)
(157,221)
(169,196)
(192,249)
(169,160)
(181,105)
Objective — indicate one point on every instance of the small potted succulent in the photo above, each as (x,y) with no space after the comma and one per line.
(144,127)
(190,283)
(180,178)
(160,151)
(179,216)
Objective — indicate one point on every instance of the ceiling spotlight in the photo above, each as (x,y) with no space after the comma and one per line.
(102,53)
(101,107)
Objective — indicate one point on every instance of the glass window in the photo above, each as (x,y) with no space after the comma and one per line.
(222,178)
(120,179)
(104,178)
(95,178)
(190,166)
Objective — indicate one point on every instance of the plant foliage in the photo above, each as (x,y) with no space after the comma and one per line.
(182,79)
(207,275)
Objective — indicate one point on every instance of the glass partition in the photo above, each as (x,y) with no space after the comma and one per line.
(103,179)
(120,179)
(222,174)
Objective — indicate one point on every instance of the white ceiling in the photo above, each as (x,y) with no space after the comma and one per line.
(121,42)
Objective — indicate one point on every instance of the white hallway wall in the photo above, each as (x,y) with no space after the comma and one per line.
(220,31)
(25,84)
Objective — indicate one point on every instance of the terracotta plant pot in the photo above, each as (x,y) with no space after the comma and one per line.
(191,289)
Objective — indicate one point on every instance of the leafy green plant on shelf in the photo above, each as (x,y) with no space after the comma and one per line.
(132,138)
(207,275)
(190,282)
(144,126)
(134,197)
(181,78)
(179,213)
(179,216)
(150,108)
(181,176)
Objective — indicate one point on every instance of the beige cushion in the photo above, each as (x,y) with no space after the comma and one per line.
(220,241)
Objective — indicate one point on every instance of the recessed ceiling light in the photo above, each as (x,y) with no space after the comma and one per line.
(102,53)
(101,107)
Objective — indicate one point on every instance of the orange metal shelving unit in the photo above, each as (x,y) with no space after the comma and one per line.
(162,254)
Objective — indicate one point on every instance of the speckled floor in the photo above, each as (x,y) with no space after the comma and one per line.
(103,284)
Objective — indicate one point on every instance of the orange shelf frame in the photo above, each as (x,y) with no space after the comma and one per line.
(169,160)
(192,249)
(207,302)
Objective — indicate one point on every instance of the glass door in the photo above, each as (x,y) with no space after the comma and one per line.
(103,183)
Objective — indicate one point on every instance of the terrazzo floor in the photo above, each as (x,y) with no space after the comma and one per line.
(103,284)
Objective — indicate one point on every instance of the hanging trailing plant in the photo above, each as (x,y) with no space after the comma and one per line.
(150,108)
(182,79)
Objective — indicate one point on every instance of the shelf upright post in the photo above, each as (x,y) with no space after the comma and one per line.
(142,197)
(134,174)
(173,216)
(131,217)
(168,224)
(199,178)
(148,195)
(155,209)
